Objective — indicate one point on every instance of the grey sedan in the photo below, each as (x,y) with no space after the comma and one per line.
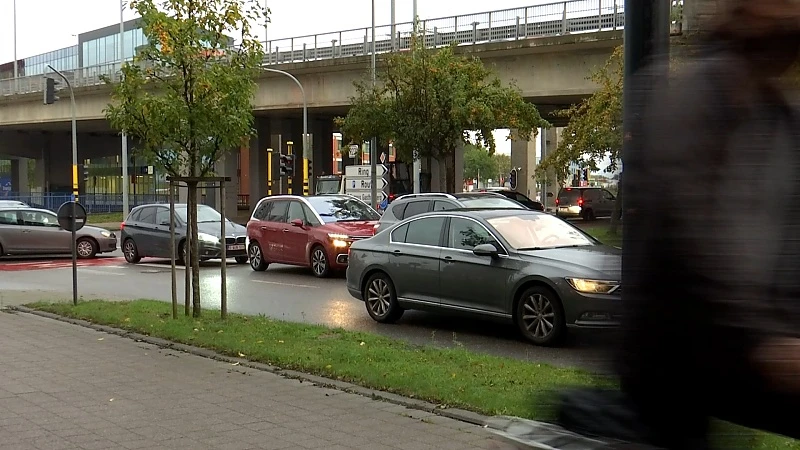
(33,231)
(523,267)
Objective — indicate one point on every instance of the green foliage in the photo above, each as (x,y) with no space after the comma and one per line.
(503,164)
(426,100)
(478,161)
(594,131)
(187,97)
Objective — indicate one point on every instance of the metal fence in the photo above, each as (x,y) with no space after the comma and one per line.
(94,203)
(554,19)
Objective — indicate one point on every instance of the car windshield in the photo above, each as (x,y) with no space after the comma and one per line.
(489,201)
(328,186)
(204,214)
(538,231)
(342,209)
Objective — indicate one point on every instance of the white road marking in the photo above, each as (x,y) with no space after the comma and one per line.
(308,286)
(157,266)
(100,272)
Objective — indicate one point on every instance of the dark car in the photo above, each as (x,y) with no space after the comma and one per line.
(412,204)
(145,233)
(314,232)
(586,203)
(514,195)
(524,267)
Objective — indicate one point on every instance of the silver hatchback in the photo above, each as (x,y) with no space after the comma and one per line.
(33,231)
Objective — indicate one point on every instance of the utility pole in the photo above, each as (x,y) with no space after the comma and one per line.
(646,42)
(373,147)
(394,28)
(416,165)
(125,181)
(16,64)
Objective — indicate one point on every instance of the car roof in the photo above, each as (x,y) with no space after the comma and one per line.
(476,194)
(485,213)
(23,207)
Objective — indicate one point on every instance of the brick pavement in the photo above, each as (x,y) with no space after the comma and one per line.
(64,386)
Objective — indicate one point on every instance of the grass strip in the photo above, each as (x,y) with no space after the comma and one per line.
(104,218)
(453,377)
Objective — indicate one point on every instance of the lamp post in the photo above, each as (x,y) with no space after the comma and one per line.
(373,147)
(16,64)
(416,166)
(125,193)
(305,112)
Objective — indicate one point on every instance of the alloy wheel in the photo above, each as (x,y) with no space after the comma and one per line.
(539,316)
(255,255)
(379,297)
(84,249)
(319,262)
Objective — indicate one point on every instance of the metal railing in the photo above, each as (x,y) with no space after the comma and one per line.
(94,203)
(553,19)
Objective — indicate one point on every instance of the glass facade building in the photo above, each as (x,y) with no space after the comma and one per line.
(105,49)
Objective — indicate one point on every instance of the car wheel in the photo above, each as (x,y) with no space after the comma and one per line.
(319,262)
(257,262)
(130,251)
(86,248)
(540,316)
(381,299)
(242,259)
(182,259)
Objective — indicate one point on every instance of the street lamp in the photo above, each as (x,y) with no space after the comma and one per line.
(125,194)
(373,147)
(16,64)
(305,110)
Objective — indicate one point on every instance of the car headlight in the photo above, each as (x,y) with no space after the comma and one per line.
(205,237)
(593,286)
(339,240)
(106,234)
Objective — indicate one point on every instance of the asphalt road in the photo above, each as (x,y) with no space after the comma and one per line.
(287,293)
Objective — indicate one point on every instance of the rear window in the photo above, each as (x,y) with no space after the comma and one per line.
(569,196)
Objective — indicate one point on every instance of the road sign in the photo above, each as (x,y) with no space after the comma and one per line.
(354,148)
(365,196)
(364,171)
(364,184)
(65,216)
(383,157)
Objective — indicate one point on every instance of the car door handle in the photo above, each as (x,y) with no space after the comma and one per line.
(263,228)
(397,252)
(285,230)
(448,259)
(26,231)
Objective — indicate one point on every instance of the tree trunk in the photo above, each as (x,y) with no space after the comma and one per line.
(450,173)
(617,214)
(440,164)
(195,251)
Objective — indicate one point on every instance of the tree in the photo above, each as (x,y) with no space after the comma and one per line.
(187,96)
(426,100)
(503,164)
(479,163)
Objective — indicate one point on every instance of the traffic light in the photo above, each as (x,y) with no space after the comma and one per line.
(50,91)
(287,165)
(585,175)
(85,173)
(512,179)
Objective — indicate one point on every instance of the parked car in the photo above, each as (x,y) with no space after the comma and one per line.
(13,204)
(523,267)
(314,232)
(588,203)
(31,231)
(412,204)
(514,195)
(145,233)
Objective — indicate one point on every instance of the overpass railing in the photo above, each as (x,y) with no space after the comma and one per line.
(531,22)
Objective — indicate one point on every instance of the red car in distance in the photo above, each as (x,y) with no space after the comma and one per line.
(314,232)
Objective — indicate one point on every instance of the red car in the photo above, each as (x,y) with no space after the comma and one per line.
(314,231)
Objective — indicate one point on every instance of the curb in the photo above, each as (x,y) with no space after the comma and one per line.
(411,403)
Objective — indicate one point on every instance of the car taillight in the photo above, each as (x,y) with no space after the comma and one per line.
(557,202)
(122,226)
(375,229)
(580,202)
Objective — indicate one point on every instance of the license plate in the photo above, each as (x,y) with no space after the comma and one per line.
(236,247)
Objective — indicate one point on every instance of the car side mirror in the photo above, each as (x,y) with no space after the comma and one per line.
(298,223)
(485,250)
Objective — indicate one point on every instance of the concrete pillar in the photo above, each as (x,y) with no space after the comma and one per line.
(19,176)
(257,156)
(40,175)
(227,166)
(523,158)
(551,184)
(322,135)
(459,167)
(699,14)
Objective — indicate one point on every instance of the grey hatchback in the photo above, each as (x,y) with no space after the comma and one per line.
(145,233)
(525,267)
(409,205)
(33,231)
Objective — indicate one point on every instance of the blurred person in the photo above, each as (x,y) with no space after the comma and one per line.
(713,300)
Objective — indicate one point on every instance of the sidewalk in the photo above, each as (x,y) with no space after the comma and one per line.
(67,387)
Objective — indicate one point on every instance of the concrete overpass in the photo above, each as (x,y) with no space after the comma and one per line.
(549,61)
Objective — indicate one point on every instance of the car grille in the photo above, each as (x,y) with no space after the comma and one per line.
(238,240)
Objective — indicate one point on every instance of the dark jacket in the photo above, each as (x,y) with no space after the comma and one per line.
(713,266)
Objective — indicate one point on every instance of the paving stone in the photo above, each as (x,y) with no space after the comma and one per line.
(65,386)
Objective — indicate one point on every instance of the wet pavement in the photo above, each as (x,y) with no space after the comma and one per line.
(287,293)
